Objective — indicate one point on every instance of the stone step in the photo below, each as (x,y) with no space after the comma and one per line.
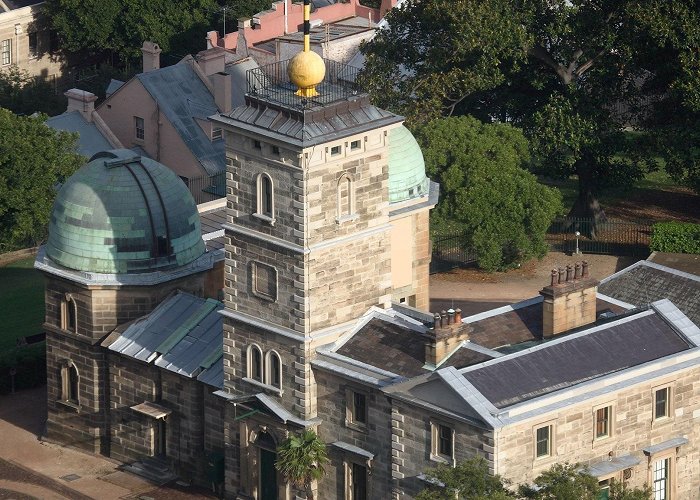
(155,470)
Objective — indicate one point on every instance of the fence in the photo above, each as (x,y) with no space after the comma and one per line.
(206,188)
(612,237)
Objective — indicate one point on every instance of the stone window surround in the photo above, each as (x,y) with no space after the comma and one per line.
(265,380)
(250,372)
(271,357)
(261,201)
(670,407)
(254,265)
(611,422)
(350,416)
(345,180)
(348,463)
(435,455)
(68,302)
(6,52)
(67,398)
(551,455)
(669,455)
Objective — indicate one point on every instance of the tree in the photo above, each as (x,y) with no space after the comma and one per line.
(302,459)
(620,491)
(120,27)
(502,208)
(556,68)
(25,95)
(563,482)
(469,480)
(33,160)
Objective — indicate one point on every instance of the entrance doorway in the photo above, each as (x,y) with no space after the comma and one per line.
(160,438)
(267,472)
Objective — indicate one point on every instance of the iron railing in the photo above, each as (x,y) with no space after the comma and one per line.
(271,82)
(206,187)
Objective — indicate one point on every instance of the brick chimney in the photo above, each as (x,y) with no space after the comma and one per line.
(151,56)
(222,91)
(569,300)
(82,101)
(447,333)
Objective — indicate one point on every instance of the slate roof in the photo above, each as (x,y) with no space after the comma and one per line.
(184,98)
(575,359)
(91,140)
(645,282)
(212,230)
(183,334)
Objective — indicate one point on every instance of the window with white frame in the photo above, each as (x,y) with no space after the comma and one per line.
(543,441)
(6,51)
(603,422)
(661,479)
(139,128)
(265,207)
(442,442)
(255,363)
(274,370)
(662,403)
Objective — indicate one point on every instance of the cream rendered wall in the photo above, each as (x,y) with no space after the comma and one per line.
(161,140)
(402,252)
(29,19)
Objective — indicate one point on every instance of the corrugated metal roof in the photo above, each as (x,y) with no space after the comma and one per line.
(183,334)
(183,98)
(91,140)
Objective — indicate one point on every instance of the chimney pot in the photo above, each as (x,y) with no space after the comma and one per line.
(569,273)
(443,318)
(584,269)
(577,271)
(562,275)
(458,315)
(555,275)
(151,56)
(450,316)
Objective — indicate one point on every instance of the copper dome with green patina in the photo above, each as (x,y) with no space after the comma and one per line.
(123,213)
(407,177)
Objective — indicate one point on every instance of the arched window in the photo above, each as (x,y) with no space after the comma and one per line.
(265,197)
(345,198)
(255,363)
(274,369)
(69,314)
(70,383)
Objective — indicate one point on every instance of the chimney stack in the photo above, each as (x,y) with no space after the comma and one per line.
(212,61)
(222,91)
(447,333)
(151,56)
(569,300)
(82,101)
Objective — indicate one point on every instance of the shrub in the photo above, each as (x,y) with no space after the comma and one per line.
(30,363)
(676,237)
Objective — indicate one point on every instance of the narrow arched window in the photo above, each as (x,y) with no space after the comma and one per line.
(274,366)
(255,364)
(265,197)
(73,384)
(69,314)
(345,197)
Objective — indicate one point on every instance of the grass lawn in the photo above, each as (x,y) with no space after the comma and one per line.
(22,299)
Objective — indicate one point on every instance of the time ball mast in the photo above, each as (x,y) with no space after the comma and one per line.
(306,69)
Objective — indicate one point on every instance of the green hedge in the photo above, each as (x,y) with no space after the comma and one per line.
(676,237)
(30,363)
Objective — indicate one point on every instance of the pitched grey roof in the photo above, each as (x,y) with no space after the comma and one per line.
(555,365)
(645,282)
(183,334)
(184,98)
(91,140)
(113,86)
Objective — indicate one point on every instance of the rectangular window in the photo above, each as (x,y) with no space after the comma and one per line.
(602,422)
(216,134)
(358,482)
(660,479)
(275,150)
(33,44)
(604,490)
(335,150)
(257,145)
(359,410)
(264,281)
(6,51)
(355,145)
(442,441)
(661,403)
(445,441)
(139,127)
(543,446)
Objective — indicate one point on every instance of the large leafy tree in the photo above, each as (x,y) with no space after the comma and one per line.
(301,460)
(486,190)
(563,482)
(119,27)
(468,480)
(33,160)
(25,95)
(556,68)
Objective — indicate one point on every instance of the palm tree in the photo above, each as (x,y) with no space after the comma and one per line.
(301,459)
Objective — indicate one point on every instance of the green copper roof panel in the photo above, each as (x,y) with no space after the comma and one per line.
(122,213)
(406,167)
